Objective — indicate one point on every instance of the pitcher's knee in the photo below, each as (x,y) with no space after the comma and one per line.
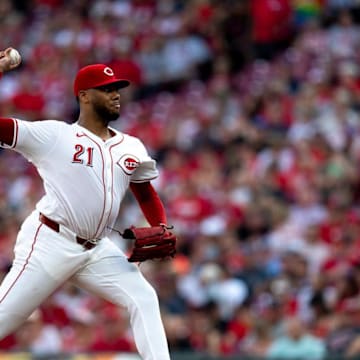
(144,299)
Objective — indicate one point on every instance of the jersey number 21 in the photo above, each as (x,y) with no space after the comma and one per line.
(82,154)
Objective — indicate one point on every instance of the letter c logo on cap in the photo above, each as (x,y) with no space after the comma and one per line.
(108,71)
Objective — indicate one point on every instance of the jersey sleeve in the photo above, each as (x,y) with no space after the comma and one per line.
(34,139)
(146,170)
(7,132)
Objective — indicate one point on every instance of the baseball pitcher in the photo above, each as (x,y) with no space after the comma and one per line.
(86,168)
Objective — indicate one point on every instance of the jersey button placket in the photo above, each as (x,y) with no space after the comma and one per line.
(109,175)
(108,186)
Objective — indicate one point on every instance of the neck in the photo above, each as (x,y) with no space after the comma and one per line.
(98,128)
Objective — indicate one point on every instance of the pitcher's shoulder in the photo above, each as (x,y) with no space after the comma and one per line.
(131,139)
(51,122)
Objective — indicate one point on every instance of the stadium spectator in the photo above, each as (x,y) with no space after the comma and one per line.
(296,343)
(38,338)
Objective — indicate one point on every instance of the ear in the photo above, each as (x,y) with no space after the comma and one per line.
(83,97)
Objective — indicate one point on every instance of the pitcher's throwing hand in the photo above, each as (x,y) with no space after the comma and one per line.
(9,59)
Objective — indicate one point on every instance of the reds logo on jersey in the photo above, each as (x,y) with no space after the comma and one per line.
(128,163)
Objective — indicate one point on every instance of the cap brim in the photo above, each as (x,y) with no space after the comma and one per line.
(122,83)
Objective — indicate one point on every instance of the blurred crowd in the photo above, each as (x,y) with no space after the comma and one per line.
(252,111)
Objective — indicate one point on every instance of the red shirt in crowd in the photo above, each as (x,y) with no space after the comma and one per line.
(271,20)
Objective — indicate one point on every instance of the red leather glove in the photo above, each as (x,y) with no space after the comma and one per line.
(155,242)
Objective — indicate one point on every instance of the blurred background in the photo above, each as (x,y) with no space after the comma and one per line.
(251,109)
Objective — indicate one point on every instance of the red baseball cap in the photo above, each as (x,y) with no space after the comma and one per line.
(93,76)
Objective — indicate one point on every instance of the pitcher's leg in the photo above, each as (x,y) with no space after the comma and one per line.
(21,292)
(43,261)
(120,282)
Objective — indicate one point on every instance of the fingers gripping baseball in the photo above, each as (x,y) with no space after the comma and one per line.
(155,242)
(9,59)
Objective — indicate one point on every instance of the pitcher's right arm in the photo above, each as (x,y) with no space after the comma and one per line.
(7,125)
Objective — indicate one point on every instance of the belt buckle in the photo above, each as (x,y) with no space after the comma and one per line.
(90,243)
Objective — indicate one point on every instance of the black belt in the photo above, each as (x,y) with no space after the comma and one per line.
(53,225)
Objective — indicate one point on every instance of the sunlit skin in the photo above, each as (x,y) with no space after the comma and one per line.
(5,61)
(98,107)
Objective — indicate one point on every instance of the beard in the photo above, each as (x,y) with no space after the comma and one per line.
(105,114)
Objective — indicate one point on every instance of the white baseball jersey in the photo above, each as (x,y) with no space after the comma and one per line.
(85,178)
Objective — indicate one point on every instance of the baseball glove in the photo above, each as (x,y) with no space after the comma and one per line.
(155,242)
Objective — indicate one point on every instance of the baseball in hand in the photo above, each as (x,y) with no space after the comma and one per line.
(15,57)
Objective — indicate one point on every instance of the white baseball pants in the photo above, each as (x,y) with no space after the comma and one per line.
(45,259)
